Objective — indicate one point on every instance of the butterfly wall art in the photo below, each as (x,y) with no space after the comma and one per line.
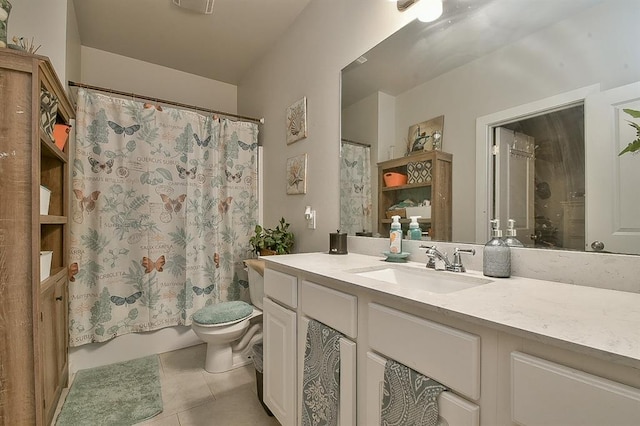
(150,265)
(297,175)
(297,121)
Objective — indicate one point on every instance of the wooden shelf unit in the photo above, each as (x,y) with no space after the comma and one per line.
(34,313)
(437,191)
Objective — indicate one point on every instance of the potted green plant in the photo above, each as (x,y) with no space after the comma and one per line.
(269,241)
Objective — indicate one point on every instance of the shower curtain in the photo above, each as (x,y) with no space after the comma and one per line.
(355,189)
(164,202)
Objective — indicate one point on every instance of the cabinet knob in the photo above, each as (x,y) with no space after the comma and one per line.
(59,298)
(597,245)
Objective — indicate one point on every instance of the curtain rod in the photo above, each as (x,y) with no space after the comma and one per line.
(356,143)
(164,101)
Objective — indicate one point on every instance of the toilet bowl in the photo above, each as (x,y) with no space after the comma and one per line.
(230,328)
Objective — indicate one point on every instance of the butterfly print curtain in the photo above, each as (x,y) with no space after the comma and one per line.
(163,204)
(356,207)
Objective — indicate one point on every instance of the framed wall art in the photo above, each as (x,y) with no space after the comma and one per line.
(426,136)
(297,175)
(297,121)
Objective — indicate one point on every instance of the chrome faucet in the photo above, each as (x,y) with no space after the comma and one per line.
(434,254)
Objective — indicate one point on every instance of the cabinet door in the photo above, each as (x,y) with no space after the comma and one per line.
(279,388)
(452,409)
(53,341)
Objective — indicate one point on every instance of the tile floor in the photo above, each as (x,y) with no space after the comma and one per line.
(193,397)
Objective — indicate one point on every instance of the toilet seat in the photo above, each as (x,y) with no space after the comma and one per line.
(222,314)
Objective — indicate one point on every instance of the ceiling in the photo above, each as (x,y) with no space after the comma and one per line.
(468,30)
(221,46)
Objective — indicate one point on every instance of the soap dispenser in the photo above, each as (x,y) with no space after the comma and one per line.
(511,239)
(414,229)
(395,236)
(496,257)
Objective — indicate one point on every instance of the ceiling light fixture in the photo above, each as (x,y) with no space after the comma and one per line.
(428,10)
(201,6)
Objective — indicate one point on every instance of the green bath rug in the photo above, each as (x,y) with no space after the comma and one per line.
(118,394)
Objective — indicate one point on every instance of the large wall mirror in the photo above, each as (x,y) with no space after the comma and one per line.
(536,97)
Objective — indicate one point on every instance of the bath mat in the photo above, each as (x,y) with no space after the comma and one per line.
(117,394)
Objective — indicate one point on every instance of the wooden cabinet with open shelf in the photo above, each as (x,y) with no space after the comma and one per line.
(34,311)
(434,186)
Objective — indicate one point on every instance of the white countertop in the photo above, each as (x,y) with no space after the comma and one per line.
(599,322)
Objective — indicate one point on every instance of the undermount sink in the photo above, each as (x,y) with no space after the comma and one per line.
(422,279)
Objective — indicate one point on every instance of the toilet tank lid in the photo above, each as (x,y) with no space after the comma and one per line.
(223,312)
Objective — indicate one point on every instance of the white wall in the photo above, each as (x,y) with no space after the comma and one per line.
(307,60)
(104,69)
(46,22)
(73,45)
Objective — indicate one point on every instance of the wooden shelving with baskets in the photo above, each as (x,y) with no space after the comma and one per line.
(35,326)
(433,185)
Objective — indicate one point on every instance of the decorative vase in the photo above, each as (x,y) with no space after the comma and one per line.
(5,9)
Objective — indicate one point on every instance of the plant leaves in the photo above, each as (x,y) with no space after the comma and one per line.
(632,112)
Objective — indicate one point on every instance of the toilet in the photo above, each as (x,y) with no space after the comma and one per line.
(231,328)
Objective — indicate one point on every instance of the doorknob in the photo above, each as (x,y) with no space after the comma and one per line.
(597,245)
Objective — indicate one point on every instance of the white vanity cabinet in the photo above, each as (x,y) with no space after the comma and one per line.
(500,370)
(290,303)
(280,349)
(548,393)
(445,354)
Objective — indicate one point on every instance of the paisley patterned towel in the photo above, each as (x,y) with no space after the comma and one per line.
(321,377)
(409,398)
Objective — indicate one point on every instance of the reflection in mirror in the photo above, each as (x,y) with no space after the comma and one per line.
(539,178)
(486,57)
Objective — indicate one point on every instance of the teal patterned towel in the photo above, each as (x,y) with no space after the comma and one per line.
(409,398)
(321,377)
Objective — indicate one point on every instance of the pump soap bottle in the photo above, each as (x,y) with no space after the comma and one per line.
(511,239)
(496,256)
(395,236)
(414,229)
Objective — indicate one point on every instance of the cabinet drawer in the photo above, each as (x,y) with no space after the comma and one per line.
(334,308)
(451,408)
(281,287)
(545,393)
(450,356)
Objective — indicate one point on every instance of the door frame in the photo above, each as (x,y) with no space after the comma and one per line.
(484,143)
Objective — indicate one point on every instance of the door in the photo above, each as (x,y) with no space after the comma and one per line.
(280,364)
(53,341)
(514,186)
(612,197)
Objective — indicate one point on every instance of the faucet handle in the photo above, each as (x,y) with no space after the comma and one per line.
(457,265)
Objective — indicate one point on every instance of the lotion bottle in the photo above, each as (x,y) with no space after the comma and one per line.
(395,236)
(414,229)
(511,239)
(496,255)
